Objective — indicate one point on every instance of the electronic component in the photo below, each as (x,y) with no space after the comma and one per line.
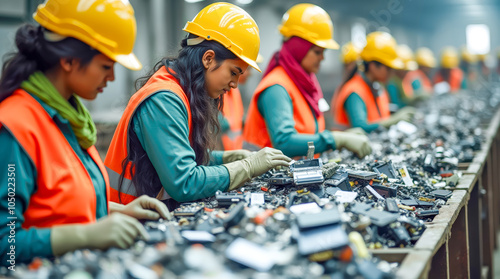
(441,194)
(329,169)
(307,172)
(310,150)
(391,205)
(157,231)
(323,218)
(227,199)
(280,180)
(399,234)
(322,239)
(373,192)
(386,168)
(414,202)
(427,213)
(188,210)
(340,180)
(235,215)
(385,191)
(363,175)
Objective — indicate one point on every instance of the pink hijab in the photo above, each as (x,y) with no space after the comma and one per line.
(289,57)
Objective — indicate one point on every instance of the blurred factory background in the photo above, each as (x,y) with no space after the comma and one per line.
(430,23)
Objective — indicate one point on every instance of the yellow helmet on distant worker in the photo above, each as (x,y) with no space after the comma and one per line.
(425,57)
(381,47)
(232,27)
(106,25)
(406,54)
(349,53)
(309,22)
(449,58)
(467,56)
(482,57)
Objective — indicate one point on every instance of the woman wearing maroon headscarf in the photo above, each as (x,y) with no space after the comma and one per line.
(286,111)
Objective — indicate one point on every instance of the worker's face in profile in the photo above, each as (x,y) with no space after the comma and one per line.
(91,79)
(312,60)
(381,72)
(221,77)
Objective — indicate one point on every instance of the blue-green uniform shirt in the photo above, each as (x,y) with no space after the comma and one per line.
(161,124)
(356,111)
(275,106)
(35,242)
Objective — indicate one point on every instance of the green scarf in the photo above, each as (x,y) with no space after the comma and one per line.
(79,117)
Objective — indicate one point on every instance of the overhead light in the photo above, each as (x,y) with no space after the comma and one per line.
(478,38)
(193,1)
(244,2)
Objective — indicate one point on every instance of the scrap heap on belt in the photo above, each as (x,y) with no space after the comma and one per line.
(317,217)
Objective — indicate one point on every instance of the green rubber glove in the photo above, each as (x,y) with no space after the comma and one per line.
(235,155)
(114,230)
(358,144)
(143,207)
(243,170)
(404,114)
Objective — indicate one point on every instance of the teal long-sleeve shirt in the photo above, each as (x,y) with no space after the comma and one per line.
(35,242)
(275,106)
(161,125)
(357,114)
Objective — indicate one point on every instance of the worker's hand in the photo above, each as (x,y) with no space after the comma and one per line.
(115,230)
(145,207)
(254,165)
(356,130)
(358,144)
(235,155)
(404,114)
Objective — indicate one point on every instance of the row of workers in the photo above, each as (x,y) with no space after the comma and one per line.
(59,196)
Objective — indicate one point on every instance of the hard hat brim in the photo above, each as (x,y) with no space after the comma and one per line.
(250,62)
(330,44)
(129,61)
(396,64)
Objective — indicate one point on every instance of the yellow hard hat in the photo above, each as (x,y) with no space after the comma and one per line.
(349,53)
(232,27)
(482,57)
(309,22)
(406,54)
(425,57)
(106,25)
(467,56)
(449,58)
(381,47)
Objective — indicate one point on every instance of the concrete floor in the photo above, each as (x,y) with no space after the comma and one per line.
(496,261)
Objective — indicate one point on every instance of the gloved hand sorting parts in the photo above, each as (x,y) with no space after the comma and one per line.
(404,114)
(358,144)
(235,155)
(119,229)
(115,230)
(254,165)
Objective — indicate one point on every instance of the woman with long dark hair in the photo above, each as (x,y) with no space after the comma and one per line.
(162,145)
(361,101)
(54,181)
(286,111)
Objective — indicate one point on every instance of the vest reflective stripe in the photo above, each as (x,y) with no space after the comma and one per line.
(65,192)
(455,81)
(255,131)
(233,112)
(376,108)
(410,77)
(118,148)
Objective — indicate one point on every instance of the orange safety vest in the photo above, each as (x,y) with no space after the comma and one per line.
(255,134)
(118,149)
(377,108)
(233,112)
(456,79)
(412,76)
(64,192)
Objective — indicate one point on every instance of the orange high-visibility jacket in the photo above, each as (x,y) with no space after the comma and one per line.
(456,79)
(377,108)
(255,133)
(65,193)
(412,76)
(118,149)
(233,112)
